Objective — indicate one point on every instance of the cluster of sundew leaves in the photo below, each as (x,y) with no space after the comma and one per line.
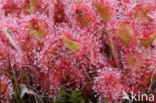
(97,46)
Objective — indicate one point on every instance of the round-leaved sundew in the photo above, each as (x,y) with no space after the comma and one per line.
(126,32)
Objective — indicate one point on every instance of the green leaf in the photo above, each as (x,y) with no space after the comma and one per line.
(69,96)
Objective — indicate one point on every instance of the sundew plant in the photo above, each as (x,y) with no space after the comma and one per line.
(77,51)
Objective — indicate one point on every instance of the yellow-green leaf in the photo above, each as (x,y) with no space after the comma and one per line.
(125,32)
(72,45)
(148,41)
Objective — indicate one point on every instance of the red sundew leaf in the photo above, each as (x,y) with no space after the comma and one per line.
(141,14)
(5,87)
(104,11)
(27,46)
(31,6)
(107,81)
(147,79)
(72,45)
(126,32)
(37,29)
(134,62)
(33,38)
(10,38)
(82,15)
(146,42)
(59,14)
(66,74)
(10,8)
(83,18)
